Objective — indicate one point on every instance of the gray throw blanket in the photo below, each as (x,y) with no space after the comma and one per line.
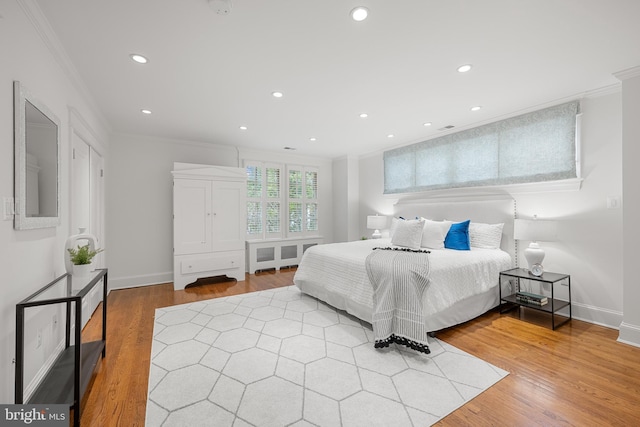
(399,278)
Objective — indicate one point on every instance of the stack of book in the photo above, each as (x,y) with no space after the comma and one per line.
(530,298)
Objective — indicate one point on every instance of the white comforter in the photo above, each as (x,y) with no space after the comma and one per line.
(336,273)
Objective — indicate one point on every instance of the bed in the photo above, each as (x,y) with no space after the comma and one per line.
(463,284)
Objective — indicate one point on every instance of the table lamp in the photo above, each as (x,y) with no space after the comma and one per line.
(535,230)
(376,222)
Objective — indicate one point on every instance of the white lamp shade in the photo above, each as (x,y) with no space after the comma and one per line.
(535,230)
(377,223)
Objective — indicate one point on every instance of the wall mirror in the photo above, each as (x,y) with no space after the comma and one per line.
(37,162)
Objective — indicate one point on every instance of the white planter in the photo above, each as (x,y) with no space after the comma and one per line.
(80,239)
(82,270)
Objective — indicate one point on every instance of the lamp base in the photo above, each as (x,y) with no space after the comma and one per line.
(376,235)
(533,254)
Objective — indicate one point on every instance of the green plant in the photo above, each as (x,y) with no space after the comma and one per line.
(83,255)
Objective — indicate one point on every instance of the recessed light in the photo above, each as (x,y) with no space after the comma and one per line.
(243,128)
(464,68)
(277,94)
(139,58)
(476,108)
(390,135)
(145,111)
(359,13)
(426,124)
(312,139)
(364,115)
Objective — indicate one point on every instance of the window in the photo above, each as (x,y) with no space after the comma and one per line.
(264,200)
(268,203)
(534,147)
(303,200)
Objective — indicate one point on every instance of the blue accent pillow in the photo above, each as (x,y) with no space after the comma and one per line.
(458,236)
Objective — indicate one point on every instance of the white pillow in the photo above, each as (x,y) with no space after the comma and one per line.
(433,233)
(486,236)
(408,233)
(394,225)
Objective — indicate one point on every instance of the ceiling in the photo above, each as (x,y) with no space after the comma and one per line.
(209,74)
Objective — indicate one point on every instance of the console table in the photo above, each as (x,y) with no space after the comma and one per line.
(68,377)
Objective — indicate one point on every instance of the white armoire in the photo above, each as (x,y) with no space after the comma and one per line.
(209,222)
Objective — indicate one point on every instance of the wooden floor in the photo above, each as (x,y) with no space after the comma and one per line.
(577,375)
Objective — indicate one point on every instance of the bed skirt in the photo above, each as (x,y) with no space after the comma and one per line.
(462,311)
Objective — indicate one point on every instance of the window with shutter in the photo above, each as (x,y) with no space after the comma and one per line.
(268,202)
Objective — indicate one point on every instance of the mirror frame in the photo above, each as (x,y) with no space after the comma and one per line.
(20,220)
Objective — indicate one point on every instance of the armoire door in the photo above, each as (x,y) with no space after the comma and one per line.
(192,216)
(229,217)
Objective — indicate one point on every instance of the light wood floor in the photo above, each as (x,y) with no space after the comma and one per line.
(577,375)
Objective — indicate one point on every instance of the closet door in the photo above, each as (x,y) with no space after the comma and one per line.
(87,198)
(80,186)
(192,216)
(96,199)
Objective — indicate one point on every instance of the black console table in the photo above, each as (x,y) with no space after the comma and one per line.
(67,379)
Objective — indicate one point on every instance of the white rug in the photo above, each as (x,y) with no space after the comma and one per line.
(282,358)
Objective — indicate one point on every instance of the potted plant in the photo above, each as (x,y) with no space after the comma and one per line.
(81,259)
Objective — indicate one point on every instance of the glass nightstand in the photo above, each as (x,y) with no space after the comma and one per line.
(517,290)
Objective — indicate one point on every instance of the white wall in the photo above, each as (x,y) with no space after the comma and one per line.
(630,328)
(140,201)
(30,259)
(346,199)
(590,246)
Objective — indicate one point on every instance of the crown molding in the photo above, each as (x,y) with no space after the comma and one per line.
(603,91)
(53,44)
(627,74)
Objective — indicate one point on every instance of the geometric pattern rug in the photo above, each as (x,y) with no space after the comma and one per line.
(282,358)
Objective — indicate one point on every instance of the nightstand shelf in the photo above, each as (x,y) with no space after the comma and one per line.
(511,283)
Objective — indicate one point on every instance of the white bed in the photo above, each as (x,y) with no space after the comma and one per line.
(462,284)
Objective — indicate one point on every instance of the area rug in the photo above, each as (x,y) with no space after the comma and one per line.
(282,358)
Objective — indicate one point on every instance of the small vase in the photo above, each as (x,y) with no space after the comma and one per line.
(81,270)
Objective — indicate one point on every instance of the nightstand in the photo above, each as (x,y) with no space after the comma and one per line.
(520,279)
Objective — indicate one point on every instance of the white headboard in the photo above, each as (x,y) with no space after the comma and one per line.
(490,209)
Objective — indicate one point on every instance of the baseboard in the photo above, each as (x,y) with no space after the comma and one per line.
(140,280)
(42,372)
(596,315)
(629,334)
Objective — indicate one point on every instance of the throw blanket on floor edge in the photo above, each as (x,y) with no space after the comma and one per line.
(399,278)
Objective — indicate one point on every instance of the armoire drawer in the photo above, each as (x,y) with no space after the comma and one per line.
(212,262)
